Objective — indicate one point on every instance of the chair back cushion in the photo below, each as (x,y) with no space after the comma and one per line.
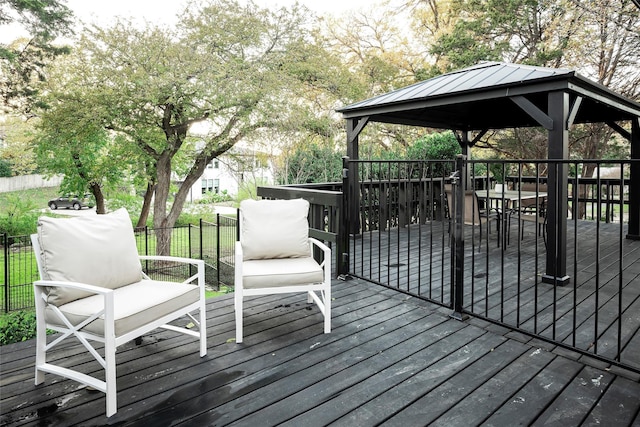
(98,250)
(274,229)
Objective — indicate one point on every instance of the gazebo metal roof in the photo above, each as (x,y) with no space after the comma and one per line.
(483,97)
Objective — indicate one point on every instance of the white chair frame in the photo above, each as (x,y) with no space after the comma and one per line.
(320,293)
(109,338)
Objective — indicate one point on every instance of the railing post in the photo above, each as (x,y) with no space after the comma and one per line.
(342,239)
(237,225)
(146,247)
(5,245)
(633,230)
(218,248)
(201,239)
(458,181)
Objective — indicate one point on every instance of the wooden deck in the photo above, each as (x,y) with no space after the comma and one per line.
(391,359)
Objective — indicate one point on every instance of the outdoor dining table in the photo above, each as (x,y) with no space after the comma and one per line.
(508,201)
(511,198)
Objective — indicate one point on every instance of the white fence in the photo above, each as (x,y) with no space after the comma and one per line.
(25,182)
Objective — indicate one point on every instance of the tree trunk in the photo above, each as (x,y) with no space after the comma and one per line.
(146,205)
(96,190)
(162,223)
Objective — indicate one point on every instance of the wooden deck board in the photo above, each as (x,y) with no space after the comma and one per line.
(532,399)
(390,359)
(480,403)
(430,407)
(576,400)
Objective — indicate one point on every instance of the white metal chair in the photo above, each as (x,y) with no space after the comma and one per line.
(92,288)
(275,255)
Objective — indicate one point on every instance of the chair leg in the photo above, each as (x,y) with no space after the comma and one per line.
(41,339)
(203,329)
(238,310)
(507,227)
(327,311)
(110,377)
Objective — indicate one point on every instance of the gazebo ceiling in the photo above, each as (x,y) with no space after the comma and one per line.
(493,96)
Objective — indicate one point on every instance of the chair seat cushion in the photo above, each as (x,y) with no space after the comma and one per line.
(270,273)
(135,305)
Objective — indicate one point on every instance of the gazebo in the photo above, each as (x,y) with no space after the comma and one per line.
(497,95)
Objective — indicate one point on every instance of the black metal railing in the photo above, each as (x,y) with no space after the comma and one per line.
(555,263)
(18,273)
(211,242)
(400,204)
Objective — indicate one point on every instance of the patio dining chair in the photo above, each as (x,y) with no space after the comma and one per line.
(275,255)
(92,289)
(533,210)
(473,214)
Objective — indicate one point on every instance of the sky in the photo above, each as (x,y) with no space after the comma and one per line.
(165,11)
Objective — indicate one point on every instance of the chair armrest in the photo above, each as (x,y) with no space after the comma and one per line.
(172,259)
(40,300)
(326,262)
(73,285)
(197,262)
(315,242)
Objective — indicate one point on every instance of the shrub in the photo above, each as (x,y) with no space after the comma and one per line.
(212,197)
(195,213)
(435,146)
(17,326)
(131,202)
(19,217)
(5,169)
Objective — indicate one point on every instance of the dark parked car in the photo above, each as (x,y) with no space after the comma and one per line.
(74,202)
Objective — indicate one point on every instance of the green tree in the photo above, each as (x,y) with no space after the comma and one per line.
(377,49)
(308,163)
(23,61)
(182,97)
(72,142)
(535,32)
(17,144)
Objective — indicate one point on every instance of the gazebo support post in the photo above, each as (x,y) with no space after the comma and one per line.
(556,268)
(354,127)
(633,232)
(459,182)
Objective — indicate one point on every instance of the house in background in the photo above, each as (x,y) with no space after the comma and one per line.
(232,172)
